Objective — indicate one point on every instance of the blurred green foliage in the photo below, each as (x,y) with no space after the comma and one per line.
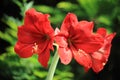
(104,13)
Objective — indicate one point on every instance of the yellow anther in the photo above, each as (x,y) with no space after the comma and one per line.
(35,48)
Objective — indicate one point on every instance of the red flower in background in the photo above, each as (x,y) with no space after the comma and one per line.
(35,36)
(100,57)
(76,40)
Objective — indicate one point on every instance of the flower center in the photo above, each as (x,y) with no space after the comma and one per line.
(46,37)
(69,42)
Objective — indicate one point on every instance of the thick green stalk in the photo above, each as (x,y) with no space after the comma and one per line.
(53,65)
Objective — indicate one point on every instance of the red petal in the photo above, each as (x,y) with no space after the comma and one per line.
(97,65)
(34,27)
(102,31)
(98,55)
(110,37)
(82,37)
(57,31)
(27,37)
(61,41)
(69,21)
(45,28)
(37,22)
(82,58)
(29,21)
(101,57)
(43,45)
(90,44)
(24,50)
(85,26)
(43,57)
(65,55)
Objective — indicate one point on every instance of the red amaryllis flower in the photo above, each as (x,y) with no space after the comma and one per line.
(100,57)
(35,36)
(76,40)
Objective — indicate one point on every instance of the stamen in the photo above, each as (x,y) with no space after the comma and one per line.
(35,48)
(103,64)
(81,51)
(69,41)
(101,51)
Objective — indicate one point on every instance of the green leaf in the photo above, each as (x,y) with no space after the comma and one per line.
(13,33)
(67,6)
(90,6)
(104,19)
(18,3)
(44,8)
(63,75)
(40,74)
(24,5)
(5,36)
(28,5)
(11,22)
(57,18)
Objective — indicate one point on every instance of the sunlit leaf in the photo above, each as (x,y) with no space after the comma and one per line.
(67,6)
(104,19)
(44,8)
(40,74)
(28,5)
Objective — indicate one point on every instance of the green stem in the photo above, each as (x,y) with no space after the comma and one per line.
(53,65)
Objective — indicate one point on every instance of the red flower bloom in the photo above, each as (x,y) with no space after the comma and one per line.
(35,36)
(100,57)
(77,40)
